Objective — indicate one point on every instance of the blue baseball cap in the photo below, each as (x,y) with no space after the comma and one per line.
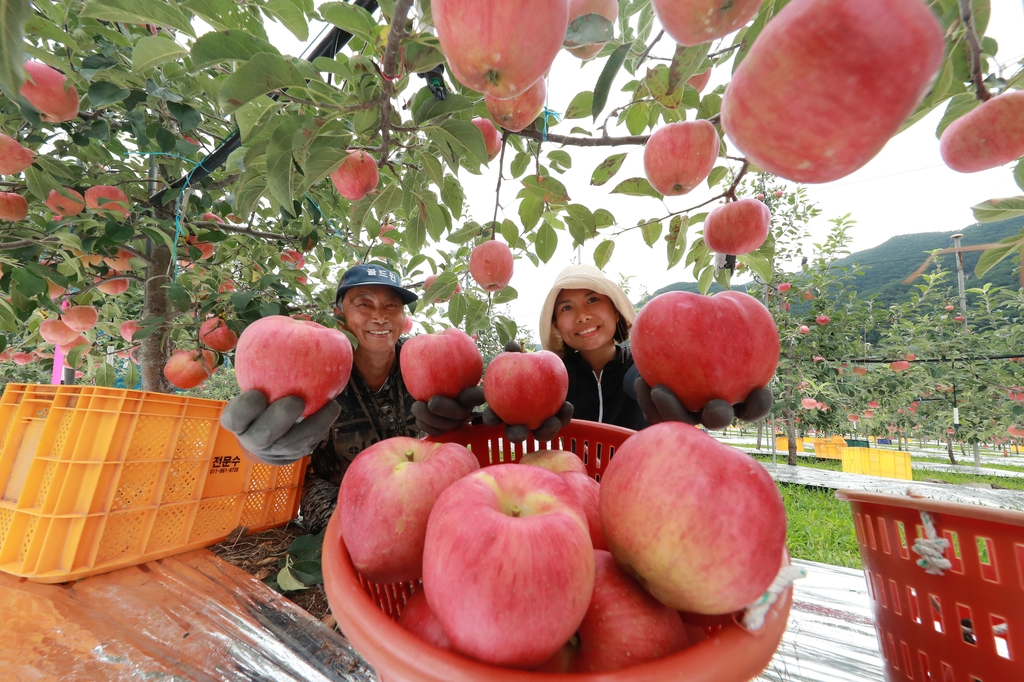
(372,274)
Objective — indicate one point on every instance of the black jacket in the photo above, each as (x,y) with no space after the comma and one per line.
(611,402)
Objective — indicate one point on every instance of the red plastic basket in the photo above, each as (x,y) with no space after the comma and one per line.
(966,625)
(367,612)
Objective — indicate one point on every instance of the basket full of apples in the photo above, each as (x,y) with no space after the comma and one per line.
(613,554)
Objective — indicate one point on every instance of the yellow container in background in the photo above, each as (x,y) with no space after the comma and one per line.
(782,443)
(95,478)
(827,448)
(875,462)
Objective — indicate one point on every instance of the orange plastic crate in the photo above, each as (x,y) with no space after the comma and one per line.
(966,625)
(368,612)
(93,479)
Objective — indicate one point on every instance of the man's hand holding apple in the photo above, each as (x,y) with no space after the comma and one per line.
(272,431)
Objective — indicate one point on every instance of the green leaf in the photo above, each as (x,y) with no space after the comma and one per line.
(607,77)
(686,61)
(477,318)
(957,107)
(603,253)
(457,308)
(426,108)
(530,210)
(1018,174)
(13,15)
(153,51)
(717,174)
(637,115)
(758,264)
(131,375)
(290,16)
(105,375)
(469,136)
(287,581)
(710,105)
(704,282)
(519,164)
(468,232)
(351,18)
(452,195)
(607,169)
(588,29)
(226,47)
(139,12)
(990,257)
(561,158)
(547,188)
(102,93)
(637,187)
(998,209)
(676,239)
(651,231)
(581,105)
(75,356)
(505,296)
(505,327)
(39,182)
(547,241)
(442,288)
(262,74)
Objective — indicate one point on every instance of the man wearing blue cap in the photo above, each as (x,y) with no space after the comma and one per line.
(374,406)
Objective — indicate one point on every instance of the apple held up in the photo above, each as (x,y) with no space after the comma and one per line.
(701,524)
(679,156)
(526,388)
(501,526)
(385,501)
(443,364)
(828,82)
(484,41)
(731,342)
(279,357)
(737,227)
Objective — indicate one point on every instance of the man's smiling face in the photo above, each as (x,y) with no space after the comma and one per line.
(375,315)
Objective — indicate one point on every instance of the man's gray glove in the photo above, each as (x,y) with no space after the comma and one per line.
(660,404)
(270,432)
(440,414)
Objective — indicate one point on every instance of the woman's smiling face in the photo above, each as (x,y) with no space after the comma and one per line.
(585,319)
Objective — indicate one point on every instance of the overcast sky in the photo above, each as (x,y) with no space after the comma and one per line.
(905,189)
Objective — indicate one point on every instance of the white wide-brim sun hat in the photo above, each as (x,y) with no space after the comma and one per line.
(580,277)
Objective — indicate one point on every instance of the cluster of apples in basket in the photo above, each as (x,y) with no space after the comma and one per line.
(535,564)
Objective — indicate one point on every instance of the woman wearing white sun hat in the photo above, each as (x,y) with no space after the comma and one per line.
(586,320)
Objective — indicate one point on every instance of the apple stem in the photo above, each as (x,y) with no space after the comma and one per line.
(515,511)
(410,456)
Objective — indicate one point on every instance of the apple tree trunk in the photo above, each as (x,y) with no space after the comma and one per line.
(791,437)
(153,351)
(949,449)
(760,427)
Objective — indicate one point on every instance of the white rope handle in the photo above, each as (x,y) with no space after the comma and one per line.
(930,548)
(753,615)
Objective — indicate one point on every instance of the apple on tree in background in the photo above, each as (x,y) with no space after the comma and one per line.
(128,329)
(702,524)
(62,205)
(407,327)
(107,198)
(492,138)
(279,356)
(357,176)
(700,80)
(385,500)
(48,91)
(81,318)
(56,332)
(215,333)
(692,22)
(555,461)
(785,108)
(899,365)
(113,285)
(737,227)
(418,619)
(500,47)
(444,364)
(784,287)
(731,342)
(491,265)
(679,156)
(608,9)
(526,388)
(987,137)
(429,282)
(14,158)
(860,371)
(385,228)
(518,112)
(822,319)
(508,525)
(13,206)
(189,368)
(22,358)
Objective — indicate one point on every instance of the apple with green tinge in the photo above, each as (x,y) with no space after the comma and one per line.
(701,524)
(385,500)
(317,374)
(444,364)
(731,342)
(508,566)
(526,388)
(679,156)
(828,82)
(555,461)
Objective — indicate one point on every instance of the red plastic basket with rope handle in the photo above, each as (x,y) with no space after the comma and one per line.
(367,612)
(965,625)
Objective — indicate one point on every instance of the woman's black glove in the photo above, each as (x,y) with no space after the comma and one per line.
(271,432)
(660,404)
(440,414)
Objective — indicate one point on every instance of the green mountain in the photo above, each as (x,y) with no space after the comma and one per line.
(888,264)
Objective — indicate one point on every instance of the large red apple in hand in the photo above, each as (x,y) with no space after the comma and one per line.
(385,501)
(526,388)
(738,227)
(678,156)
(705,347)
(440,364)
(702,524)
(279,356)
(828,82)
(508,567)
(625,625)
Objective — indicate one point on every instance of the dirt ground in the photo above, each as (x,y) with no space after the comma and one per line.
(259,553)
